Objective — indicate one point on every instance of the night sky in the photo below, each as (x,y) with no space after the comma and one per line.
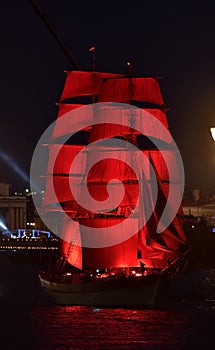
(173,40)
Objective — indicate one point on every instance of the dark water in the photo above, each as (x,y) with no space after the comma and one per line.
(28,321)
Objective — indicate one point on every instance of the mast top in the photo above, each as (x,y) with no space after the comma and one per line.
(129,68)
(93,51)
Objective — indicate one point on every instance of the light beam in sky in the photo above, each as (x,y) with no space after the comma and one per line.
(14,166)
(2,225)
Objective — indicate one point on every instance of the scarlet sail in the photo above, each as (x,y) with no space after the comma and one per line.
(114,167)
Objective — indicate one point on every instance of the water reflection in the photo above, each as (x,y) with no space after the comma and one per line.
(97,328)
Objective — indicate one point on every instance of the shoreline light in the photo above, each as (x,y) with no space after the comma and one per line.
(212,131)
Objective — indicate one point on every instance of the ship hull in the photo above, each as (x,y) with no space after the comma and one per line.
(120,292)
(145,290)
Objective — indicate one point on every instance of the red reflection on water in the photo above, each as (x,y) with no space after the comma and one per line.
(78,327)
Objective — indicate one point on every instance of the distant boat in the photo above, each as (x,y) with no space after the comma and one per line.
(131,271)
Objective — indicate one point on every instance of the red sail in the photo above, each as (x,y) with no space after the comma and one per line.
(68,125)
(119,255)
(80,83)
(173,236)
(61,158)
(121,114)
(113,164)
(131,89)
(71,242)
(64,108)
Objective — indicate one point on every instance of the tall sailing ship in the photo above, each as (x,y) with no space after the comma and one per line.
(131,270)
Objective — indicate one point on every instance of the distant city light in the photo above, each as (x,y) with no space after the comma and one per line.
(31,223)
(18,193)
(212,130)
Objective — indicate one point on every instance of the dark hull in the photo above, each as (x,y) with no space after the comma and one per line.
(144,290)
(118,292)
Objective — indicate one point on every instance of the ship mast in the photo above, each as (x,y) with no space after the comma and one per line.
(129,69)
(56,36)
(93,51)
